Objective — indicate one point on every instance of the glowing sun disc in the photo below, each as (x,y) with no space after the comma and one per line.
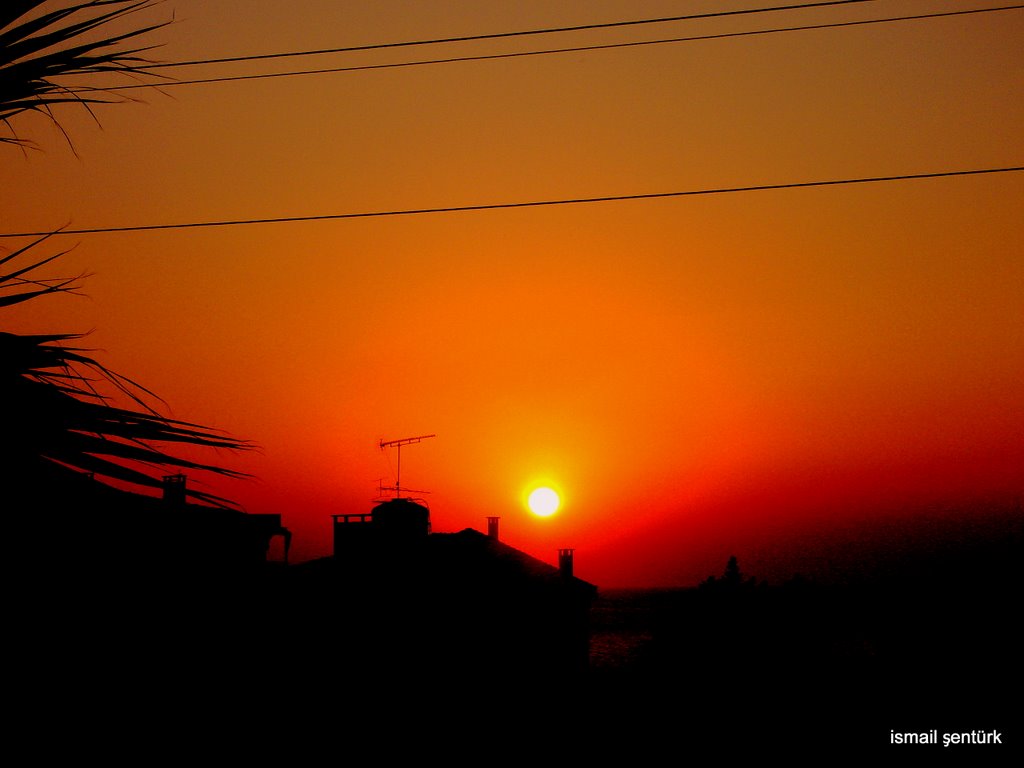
(543,502)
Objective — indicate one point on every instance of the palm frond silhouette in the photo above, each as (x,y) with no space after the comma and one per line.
(43,52)
(60,402)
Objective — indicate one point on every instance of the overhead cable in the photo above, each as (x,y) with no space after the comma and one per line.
(519,54)
(500,35)
(506,206)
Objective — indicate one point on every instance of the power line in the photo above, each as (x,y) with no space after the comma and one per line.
(518,54)
(504,206)
(500,35)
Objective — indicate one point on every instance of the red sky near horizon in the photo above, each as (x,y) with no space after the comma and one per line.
(700,376)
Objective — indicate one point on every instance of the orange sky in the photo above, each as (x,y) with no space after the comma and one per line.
(699,376)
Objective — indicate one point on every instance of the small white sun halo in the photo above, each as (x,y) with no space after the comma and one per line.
(543,502)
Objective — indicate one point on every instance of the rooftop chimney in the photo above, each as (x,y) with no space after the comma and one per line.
(565,562)
(492,527)
(174,490)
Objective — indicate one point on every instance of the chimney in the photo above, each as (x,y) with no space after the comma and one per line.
(174,490)
(565,562)
(492,527)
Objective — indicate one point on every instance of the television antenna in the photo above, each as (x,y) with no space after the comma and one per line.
(398,474)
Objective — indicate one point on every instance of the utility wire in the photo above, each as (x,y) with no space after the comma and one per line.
(499,35)
(504,206)
(518,54)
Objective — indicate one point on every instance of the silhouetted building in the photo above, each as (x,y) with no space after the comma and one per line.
(90,527)
(145,592)
(397,597)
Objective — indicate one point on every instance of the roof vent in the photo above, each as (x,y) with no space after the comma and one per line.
(565,562)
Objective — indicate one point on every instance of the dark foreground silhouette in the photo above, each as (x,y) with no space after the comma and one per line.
(933,645)
(148,618)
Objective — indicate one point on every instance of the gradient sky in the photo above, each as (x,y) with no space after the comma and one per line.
(767,374)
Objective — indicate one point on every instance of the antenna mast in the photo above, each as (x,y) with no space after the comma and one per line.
(398,444)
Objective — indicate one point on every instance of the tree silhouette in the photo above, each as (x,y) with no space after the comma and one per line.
(731,580)
(732,576)
(60,402)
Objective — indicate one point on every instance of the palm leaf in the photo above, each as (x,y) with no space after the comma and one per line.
(14,282)
(59,402)
(73,425)
(60,409)
(40,53)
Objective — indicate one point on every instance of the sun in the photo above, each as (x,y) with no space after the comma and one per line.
(543,502)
